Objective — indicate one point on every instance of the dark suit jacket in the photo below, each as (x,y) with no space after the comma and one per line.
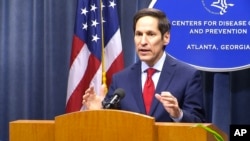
(182,80)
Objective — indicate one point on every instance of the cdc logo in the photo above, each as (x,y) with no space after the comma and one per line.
(219,7)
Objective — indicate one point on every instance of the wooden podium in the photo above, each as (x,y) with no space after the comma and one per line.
(107,125)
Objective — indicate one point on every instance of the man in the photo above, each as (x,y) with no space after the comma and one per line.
(178,93)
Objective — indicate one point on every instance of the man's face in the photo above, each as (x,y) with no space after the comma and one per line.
(149,41)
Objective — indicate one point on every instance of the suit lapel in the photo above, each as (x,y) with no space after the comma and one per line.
(136,88)
(166,76)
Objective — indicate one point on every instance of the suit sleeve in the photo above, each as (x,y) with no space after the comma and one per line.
(192,107)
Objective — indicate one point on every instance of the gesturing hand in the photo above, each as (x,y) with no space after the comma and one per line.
(170,104)
(91,101)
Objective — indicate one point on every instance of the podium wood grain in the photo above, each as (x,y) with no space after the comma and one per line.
(105,125)
(31,130)
(186,132)
(108,125)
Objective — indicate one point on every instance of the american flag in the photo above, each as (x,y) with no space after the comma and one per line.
(96,32)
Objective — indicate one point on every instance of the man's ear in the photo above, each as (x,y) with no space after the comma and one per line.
(166,38)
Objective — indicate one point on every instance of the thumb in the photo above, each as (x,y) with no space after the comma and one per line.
(158,97)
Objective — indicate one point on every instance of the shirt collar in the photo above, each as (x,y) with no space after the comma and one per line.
(158,66)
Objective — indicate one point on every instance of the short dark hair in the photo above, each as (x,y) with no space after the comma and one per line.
(163,24)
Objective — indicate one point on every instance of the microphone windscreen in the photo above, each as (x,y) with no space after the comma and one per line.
(120,92)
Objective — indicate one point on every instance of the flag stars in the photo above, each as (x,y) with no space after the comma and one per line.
(94,23)
(103,6)
(103,21)
(84,11)
(112,4)
(93,8)
(95,38)
(84,26)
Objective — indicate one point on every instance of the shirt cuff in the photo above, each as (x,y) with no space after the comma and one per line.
(179,118)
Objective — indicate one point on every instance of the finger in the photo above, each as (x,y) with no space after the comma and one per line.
(158,97)
(166,94)
(164,98)
(85,96)
(88,93)
(170,99)
(83,102)
(90,90)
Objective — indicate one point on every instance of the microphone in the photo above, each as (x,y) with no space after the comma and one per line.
(117,96)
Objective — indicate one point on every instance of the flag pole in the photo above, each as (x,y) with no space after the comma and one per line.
(104,78)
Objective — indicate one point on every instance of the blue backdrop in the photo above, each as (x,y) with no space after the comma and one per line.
(212,35)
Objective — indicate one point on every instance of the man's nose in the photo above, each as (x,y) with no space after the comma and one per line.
(144,39)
